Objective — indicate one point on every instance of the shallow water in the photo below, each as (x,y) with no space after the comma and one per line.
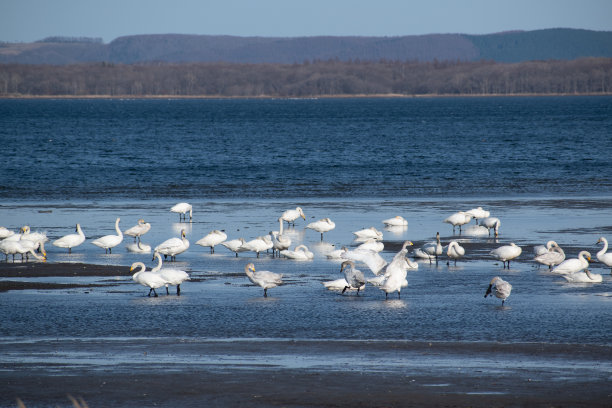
(539,164)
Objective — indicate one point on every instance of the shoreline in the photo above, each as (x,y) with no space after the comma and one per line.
(338,96)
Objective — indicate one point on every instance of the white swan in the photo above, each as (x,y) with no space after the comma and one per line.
(476,231)
(71,240)
(182,209)
(323,225)
(354,277)
(542,249)
(458,219)
(573,265)
(553,257)
(478,213)
(506,253)
(108,242)
(603,256)
(500,288)
(340,284)
(398,265)
(138,247)
(372,245)
(214,237)
(300,253)
(265,279)
(139,229)
(280,241)
(173,277)
(259,244)
(430,250)
(371,258)
(583,277)
(491,223)
(454,251)
(235,245)
(21,247)
(148,279)
(368,233)
(173,246)
(397,221)
(336,254)
(37,237)
(291,215)
(5,233)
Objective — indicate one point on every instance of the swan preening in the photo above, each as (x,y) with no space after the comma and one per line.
(265,279)
(454,251)
(291,215)
(108,242)
(322,226)
(71,240)
(182,209)
(500,288)
(214,237)
(354,277)
(551,256)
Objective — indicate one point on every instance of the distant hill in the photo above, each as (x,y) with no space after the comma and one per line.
(558,44)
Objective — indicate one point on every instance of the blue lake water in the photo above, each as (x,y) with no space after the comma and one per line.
(542,165)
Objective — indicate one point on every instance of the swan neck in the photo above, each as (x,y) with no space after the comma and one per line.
(117,228)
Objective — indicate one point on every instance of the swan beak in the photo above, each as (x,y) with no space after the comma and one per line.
(131,269)
(488,291)
(304,217)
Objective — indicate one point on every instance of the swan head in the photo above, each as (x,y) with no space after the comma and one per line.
(25,229)
(489,289)
(183,234)
(299,209)
(407,244)
(249,268)
(345,264)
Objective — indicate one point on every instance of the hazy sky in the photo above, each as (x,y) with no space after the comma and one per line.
(30,20)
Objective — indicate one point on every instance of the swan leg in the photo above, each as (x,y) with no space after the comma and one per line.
(321,236)
(167,292)
(154,292)
(236,254)
(265,292)
(110,250)
(150,290)
(386,296)
(345,288)
(258,254)
(178,290)
(398,294)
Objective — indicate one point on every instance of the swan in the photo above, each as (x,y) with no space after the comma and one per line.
(171,276)
(235,245)
(398,265)
(553,257)
(500,288)
(138,230)
(506,253)
(397,221)
(573,265)
(371,258)
(491,223)
(148,279)
(259,244)
(173,246)
(336,254)
(5,233)
(394,282)
(323,225)
(431,250)
(265,279)
(182,209)
(478,213)
(22,247)
(458,219)
(603,256)
(138,247)
(71,240)
(476,231)
(280,241)
(291,215)
(37,237)
(372,245)
(583,277)
(340,284)
(542,249)
(454,251)
(211,239)
(354,277)
(300,253)
(368,233)
(108,242)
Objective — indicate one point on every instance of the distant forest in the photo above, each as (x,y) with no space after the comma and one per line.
(308,79)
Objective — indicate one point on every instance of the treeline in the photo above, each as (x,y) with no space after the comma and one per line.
(309,79)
